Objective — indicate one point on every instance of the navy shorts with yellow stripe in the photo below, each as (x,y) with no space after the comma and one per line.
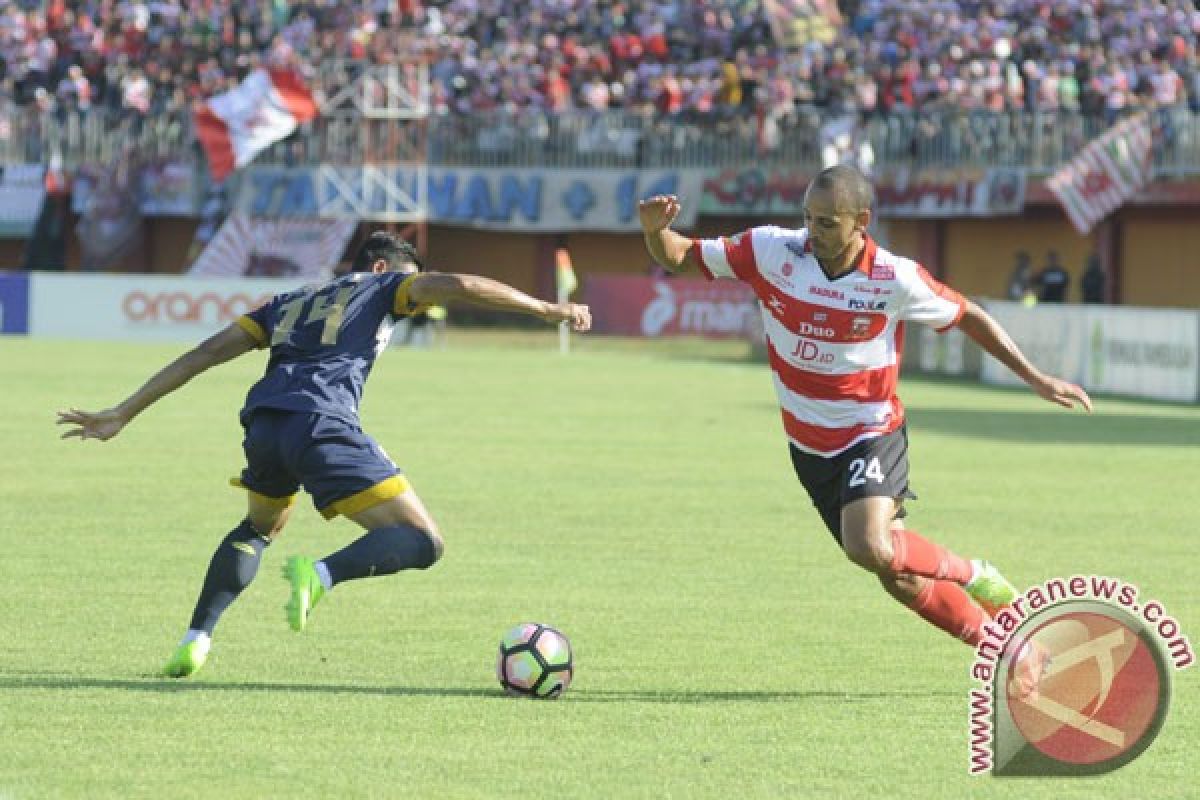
(339,465)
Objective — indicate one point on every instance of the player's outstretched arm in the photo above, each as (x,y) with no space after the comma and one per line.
(980,326)
(103,425)
(439,288)
(670,249)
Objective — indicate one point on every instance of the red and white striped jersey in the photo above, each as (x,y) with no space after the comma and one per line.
(834,345)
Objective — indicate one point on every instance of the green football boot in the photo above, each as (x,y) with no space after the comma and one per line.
(187,659)
(991,590)
(307,590)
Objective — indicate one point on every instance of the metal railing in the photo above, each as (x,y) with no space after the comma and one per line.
(94,137)
(950,139)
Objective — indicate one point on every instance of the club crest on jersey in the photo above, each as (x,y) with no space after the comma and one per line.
(787,268)
(860,327)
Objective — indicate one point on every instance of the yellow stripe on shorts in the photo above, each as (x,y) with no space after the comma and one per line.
(273,502)
(384,490)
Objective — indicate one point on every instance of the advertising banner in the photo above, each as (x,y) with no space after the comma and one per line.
(949,353)
(14,302)
(305,249)
(903,193)
(1143,352)
(142,307)
(637,305)
(499,199)
(164,188)
(1139,352)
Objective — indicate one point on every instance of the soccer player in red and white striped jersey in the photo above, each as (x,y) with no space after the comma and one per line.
(834,306)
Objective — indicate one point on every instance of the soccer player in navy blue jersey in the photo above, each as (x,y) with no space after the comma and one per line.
(302,428)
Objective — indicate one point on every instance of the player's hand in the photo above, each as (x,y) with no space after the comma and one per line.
(102,425)
(658,212)
(579,316)
(1064,393)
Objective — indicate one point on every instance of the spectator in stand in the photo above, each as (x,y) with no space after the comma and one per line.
(1093,56)
(1022,276)
(1094,282)
(1052,281)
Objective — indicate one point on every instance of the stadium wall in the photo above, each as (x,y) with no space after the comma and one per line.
(979,254)
(1138,352)
(1153,353)
(1153,250)
(1160,254)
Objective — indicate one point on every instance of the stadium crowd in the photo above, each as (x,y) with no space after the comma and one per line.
(645,79)
(661,58)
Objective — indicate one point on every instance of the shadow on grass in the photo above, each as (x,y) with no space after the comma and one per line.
(43,681)
(1058,426)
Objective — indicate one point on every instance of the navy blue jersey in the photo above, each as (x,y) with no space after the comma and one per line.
(324,340)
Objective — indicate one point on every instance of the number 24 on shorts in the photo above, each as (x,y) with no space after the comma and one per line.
(860,470)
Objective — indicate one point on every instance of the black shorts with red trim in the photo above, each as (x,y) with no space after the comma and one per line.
(876,467)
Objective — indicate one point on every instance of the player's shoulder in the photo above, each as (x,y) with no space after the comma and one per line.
(366,283)
(380,282)
(773,232)
(777,239)
(888,266)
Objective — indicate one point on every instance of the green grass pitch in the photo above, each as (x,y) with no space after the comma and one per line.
(638,498)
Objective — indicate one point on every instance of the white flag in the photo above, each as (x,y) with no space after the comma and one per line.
(236,126)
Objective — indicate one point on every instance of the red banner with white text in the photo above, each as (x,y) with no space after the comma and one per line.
(637,305)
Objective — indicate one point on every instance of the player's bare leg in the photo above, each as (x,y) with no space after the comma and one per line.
(267,515)
(898,550)
(404,509)
(867,533)
(401,534)
(233,567)
(874,539)
(903,588)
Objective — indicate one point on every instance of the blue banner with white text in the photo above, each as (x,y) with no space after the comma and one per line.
(500,199)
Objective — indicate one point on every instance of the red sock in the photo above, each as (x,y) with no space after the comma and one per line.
(913,554)
(947,606)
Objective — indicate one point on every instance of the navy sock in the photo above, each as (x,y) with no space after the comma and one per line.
(234,565)
(382,551)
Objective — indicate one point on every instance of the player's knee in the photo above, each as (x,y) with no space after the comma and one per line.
(430,549)
(268,524)
(438,544)
(903,587)
(872,553)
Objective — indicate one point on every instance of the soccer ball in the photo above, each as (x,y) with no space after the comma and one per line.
(534,661)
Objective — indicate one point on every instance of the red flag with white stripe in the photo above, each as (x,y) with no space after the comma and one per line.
(237,125)
(1105,174)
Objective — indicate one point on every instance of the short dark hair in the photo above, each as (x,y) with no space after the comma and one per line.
(393,249)
(847,183)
